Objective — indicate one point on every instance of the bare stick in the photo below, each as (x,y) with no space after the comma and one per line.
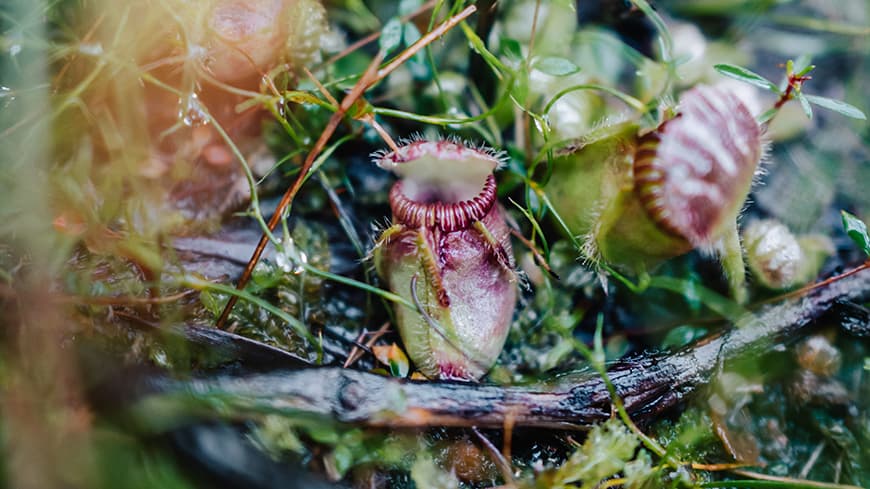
(348,101)
(375,35)
(425,41)
(367,118)
(504,466)
(542,262)
(649,383)
(356,352)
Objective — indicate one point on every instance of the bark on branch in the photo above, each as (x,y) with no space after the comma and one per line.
(649,383)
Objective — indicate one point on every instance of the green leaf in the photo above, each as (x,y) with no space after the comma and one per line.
(480,48)
(426,474)
(411,35)
(682,336)
(556,66)
(359,109)
(343,457)
(805,104)
(302,97)
(607,448)
(391,35)
(322,433)
(857,230)
(847,110)
(511,48)
(802,65)
(265,276)
(520,89)
(407,7)
(214,304)
(348,68)
(744,75)
(394,357)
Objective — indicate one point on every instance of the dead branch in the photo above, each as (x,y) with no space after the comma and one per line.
(649,383)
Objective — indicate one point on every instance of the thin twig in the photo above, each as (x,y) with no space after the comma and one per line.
(507,441)
(320,88)
(526,118)
(370,118)
(792,480)
(425,41)
(503,464)
(809,288)
(814,457)
(288,197)
(367,118)
(122,300)
(357,351)
(375,35)
(718,467)
(542,262)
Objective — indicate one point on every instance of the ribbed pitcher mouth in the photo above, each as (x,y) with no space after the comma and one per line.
(444,184)
(446,216)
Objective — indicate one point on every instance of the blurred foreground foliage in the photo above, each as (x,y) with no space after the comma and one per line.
(105,208)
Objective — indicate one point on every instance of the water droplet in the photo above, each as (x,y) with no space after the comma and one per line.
(7,96)
(91,49)
(281,105)
(191,111)
(290,258)
(196,52)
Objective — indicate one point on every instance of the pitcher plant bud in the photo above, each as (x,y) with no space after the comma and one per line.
(647,198)
(448,252)
(780,260)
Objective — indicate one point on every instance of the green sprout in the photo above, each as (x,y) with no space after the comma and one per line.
(796,73)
